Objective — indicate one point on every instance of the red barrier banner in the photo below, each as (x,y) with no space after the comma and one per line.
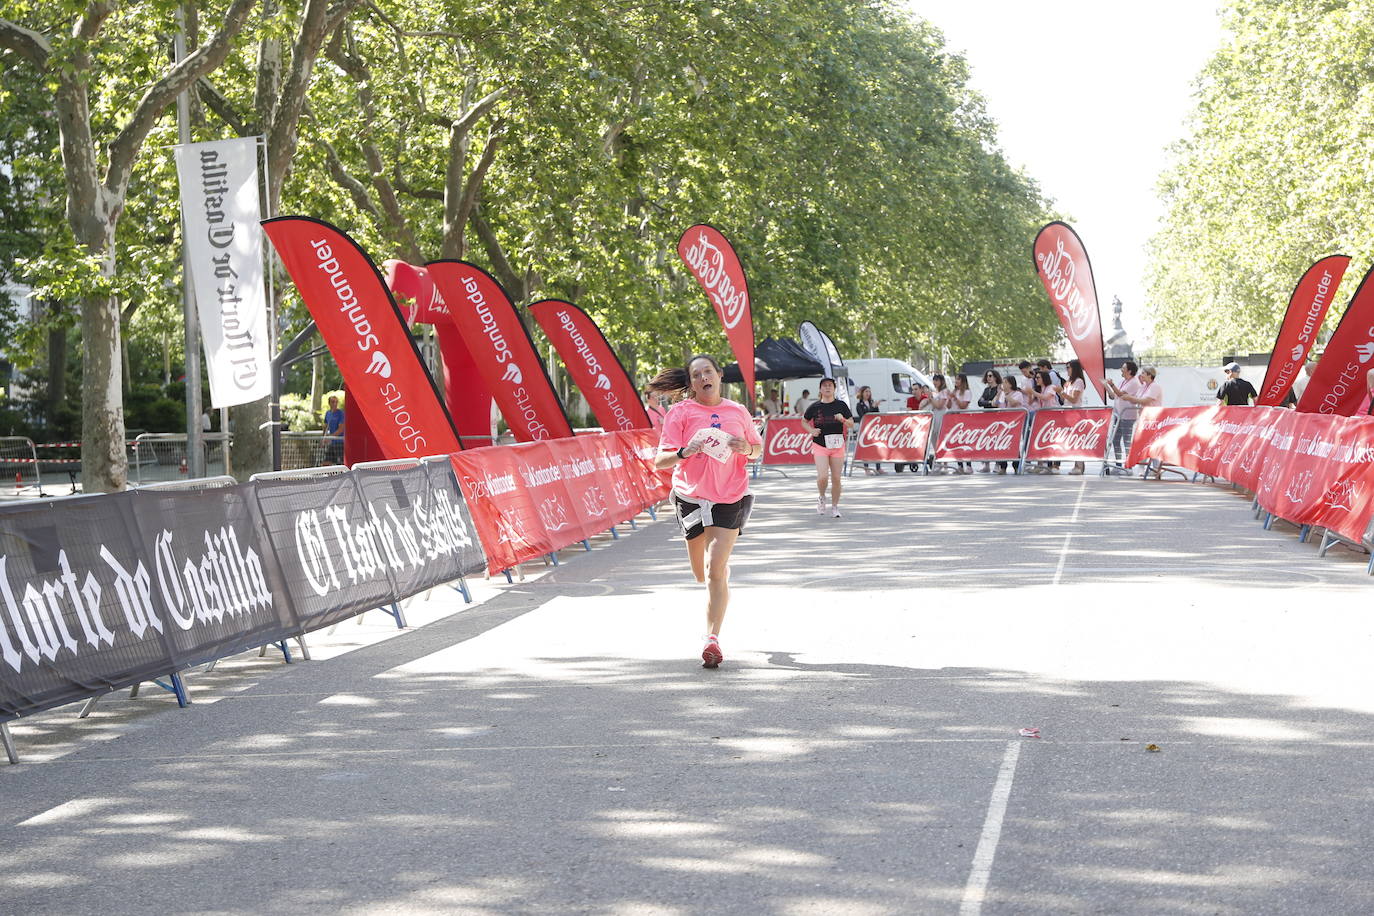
(593,365)
(507,525)
(712,260)
(639,447)
(367,336)
(785,441)
(1338,385)
(1301,322)
(900,437)
(1069,434)
(501,347)
(1063,265)
(531,499)
(1346,501)
(981,435)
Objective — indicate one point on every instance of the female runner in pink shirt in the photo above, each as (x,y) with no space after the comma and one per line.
(711,495)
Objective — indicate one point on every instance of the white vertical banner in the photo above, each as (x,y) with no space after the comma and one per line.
(219,212)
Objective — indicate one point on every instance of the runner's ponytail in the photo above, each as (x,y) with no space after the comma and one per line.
(677,382)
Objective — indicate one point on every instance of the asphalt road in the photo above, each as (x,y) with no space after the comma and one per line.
(556,748)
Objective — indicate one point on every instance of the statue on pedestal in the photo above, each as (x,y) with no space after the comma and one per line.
(1118,344)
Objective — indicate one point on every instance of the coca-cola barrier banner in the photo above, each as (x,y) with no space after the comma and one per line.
(367,336)
(1309,468)
(980,435)
(1303,319)
(107,591)
(786,441)
(593,365)
(1063,266)
(1338,386)
(1069,434)
(712,260)
(899,437)
(502,350)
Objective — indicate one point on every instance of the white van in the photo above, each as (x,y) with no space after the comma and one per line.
(890,379)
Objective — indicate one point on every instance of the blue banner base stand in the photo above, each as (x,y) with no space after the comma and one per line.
(462,589)
(174,685)
(615,535)
(8,740)
(395,611)
(285,651)
(587,545)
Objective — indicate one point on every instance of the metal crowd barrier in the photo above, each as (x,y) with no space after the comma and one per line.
(19,458)
(308,450)
(163,457)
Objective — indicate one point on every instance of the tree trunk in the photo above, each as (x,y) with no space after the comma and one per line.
(57,372)
(104,460)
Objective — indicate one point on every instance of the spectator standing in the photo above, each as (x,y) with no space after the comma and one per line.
(1044,393)
(1125,411)
(653,406)
(1009,397)
(1150,394)
(711,496)
(333,432)
(864,404)
(1072,395)
(992,383)
(1300,383)
(771,406)
(1025,380)
(1236,391)
(804,402)
(939,403)
(1048,366)
(961,399)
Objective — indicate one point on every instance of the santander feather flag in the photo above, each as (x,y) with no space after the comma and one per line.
(592,364)
(502,350)
(1306,310)
(1339,386)
(1063,266)
(712,260)
(366,335)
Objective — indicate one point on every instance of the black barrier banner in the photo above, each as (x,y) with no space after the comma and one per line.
(330,553)
(422,519)
(101,592)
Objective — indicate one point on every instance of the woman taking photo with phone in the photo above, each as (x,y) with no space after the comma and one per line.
(708,441)
(828,421)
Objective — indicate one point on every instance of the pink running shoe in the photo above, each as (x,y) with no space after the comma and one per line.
(711,656)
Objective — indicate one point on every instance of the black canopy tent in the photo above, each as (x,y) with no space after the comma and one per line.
(780,358)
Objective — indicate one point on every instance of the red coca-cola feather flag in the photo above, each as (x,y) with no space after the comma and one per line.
(502,350)
(1063,266)
(367,336)
(1338,385)
(593,365)
(712,260)
(1306,311)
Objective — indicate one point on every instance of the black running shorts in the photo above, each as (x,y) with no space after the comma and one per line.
(723,515)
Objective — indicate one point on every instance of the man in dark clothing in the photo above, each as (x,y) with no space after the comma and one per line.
(1236,391)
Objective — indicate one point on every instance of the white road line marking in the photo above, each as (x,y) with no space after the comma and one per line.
(1073,520)
(977,886)
(67,811)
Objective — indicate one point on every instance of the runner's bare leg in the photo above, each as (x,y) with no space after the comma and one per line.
(720,541)
(696,554)
(822,474)
(836,469)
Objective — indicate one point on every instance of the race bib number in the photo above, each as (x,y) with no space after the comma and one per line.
(834,440)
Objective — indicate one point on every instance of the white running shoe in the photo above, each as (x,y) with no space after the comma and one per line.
(835,511)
